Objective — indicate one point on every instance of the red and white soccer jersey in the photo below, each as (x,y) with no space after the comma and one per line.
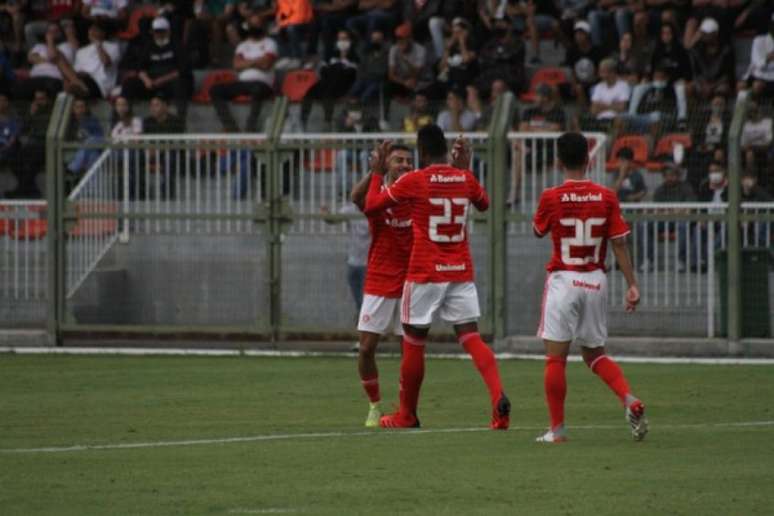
(581,217)
(388,259)
(439,197)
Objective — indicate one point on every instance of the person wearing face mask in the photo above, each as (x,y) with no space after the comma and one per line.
(459,64)
(337,74)
(502,57)
(582,58)
(714,187)
(161,69)
(254,60)
(652,105)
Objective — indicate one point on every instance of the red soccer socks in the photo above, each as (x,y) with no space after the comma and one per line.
(412,372)
(606,368)
(485,363)
(555,384)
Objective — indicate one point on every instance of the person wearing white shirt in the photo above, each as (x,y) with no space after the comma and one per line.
(254,60)
(113,14)
(761,71)
(95,70)
(124,121)
(45,58)
(611,96)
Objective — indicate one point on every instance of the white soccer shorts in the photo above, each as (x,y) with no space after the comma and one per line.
(378,314)
(575,308)
(455,303)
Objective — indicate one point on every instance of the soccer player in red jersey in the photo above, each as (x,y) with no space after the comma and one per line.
(440,274)
(388,259)
(582,217)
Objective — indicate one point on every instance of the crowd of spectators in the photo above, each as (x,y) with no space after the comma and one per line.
(635,66)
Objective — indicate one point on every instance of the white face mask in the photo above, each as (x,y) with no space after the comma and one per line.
(748,183)
(659,84)
(715,177)
(161,42)
(343,44)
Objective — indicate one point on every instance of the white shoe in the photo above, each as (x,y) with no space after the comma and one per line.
(558,435)
(635,415)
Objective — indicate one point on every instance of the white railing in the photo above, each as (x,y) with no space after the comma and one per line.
(89,239)
(192,175)
(318,177)
(23,251)
(758,233)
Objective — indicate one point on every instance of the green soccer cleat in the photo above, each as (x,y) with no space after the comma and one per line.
(374,414)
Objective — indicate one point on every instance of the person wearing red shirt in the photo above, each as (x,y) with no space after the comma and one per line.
(388,259)
(582,217)
(440,272)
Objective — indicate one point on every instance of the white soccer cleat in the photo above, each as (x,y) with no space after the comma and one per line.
(557,435)
(635,415)
(374,415)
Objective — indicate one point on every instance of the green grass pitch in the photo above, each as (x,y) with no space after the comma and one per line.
(691,463)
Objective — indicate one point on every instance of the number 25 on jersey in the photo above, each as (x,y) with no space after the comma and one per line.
(582,238)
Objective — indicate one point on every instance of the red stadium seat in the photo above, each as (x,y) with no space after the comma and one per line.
(323,160)
(29,229)
(5,224)
(95,227)
(213,78)
(552,76)
(133,25)
(665,147)
(638,145)
(297,83)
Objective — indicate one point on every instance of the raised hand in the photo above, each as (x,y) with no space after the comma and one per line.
(461,153)
(377,162)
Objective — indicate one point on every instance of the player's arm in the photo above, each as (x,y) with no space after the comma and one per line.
(360,190)
(378,199)
(621,253)
(541,222)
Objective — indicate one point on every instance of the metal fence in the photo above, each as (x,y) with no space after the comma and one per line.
(23,233)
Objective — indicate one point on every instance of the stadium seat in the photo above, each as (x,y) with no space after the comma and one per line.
(638,145)
(95,227)
(29,229)
(5,224)
(665,147)
(213,78)
(553,76)
(133,25)
(297,83)
(322,160)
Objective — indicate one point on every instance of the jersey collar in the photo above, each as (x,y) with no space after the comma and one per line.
(577,181)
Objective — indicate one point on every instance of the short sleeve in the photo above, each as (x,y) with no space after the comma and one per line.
(617,226)
(405,188)
(541,222)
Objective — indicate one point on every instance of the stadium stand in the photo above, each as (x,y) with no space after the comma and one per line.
(463,41)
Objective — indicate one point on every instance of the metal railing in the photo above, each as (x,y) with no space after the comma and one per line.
(23,253)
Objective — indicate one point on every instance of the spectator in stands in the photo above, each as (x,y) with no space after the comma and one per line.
(440,25)
(45,57)
(239,25)
(407,70)
(542,17)
(419,116)
(715,184)
(719,10)
(583,58)
(331,18)
(484,112)
(459,63)
(374,15)
(502,57)
(112,15)
(166,164)
(160,119)
(84,129)
(712,63)
(254,61)
(10,132)
(95,70)
(33,150)
(672,190)
(211,18)
(12,24)
(456,117)
(761,71)
(162,68)
(751,190)
(603,14)
(710,135)
(653,103)
(123,121)
(372,70)
(294,19)
(336,76)
(757,138)
(355,119)
(671,55)
(418,14)
(755,16)
(629,184)
(610,97)
(45,12)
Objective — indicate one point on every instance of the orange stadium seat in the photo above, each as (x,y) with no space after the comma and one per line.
(550,75)
(5,224)
(297,83)
(213,78)
(665,147)
(95,227)
(638,145)
(323,160)
(133,25)
(29,229)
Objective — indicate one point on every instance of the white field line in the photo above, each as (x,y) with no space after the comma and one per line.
(338,435)
(23,350)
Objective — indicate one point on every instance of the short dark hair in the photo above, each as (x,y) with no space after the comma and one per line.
(431,142)
(400,147)
(573,150)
